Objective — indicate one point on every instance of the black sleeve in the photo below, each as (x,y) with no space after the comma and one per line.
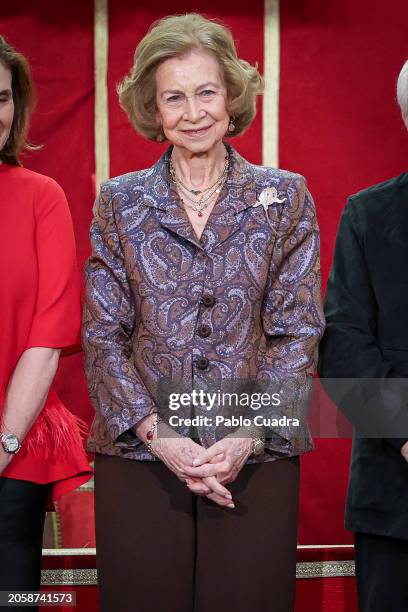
(350,349)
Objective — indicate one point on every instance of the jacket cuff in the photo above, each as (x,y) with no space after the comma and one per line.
(124,435)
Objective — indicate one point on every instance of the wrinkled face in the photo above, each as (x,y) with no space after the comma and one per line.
(191,101)
(6,105)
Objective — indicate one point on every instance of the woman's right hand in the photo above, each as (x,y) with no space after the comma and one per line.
(177,453)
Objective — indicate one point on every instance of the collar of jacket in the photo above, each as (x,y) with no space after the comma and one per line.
(239,193)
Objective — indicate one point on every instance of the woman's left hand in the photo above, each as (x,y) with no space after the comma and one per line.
(236,452)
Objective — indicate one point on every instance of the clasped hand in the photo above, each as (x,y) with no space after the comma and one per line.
(205,471)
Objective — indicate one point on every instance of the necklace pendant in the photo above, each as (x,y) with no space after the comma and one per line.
(200,214)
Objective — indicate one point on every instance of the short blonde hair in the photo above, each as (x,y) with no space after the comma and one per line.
(175,36)
(402,92)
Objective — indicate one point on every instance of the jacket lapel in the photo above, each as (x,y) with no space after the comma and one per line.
(160,193)
(239,193)
(175,219)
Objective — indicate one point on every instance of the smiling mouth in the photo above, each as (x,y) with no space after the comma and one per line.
(198,131)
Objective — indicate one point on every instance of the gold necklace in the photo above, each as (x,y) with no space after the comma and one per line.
(195,207)
(198,191)
(203,202)
(206,194)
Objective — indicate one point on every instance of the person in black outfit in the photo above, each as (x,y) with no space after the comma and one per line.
(366,337)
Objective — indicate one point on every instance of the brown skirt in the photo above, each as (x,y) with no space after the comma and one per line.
(161,548)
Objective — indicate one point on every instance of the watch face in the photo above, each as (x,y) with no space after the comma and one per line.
(11,443)
(258,446)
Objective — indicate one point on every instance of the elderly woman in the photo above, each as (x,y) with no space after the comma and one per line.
(41,451)
(195,281)
(367,338)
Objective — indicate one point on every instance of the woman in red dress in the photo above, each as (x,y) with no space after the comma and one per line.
(41,451)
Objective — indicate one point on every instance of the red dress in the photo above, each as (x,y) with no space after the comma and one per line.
(39,306)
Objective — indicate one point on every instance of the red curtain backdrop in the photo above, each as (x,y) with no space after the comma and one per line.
(340,127)
(338,124)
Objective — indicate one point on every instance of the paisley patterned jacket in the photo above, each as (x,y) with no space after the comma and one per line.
(243,302)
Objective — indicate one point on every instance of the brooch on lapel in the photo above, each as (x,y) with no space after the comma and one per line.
(267,197)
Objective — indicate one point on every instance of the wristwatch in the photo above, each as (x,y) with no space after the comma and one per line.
(10,443)
(258,440)
(258,446)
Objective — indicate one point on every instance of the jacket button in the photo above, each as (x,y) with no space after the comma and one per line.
(208,300)
(204,330)
(202,363)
